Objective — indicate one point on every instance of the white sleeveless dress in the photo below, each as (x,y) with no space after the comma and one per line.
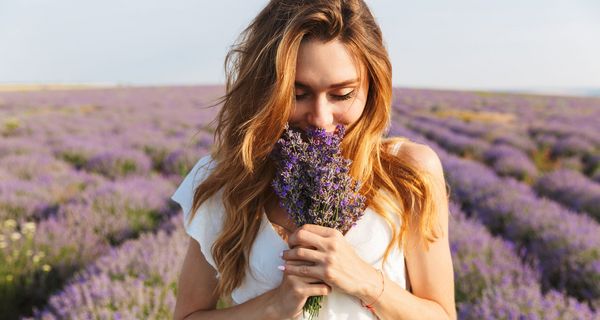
(370,237)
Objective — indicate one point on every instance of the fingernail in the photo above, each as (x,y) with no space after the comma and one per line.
(281,268)
(281,254)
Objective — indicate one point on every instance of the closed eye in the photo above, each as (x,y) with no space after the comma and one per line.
(345,97)
(337,97)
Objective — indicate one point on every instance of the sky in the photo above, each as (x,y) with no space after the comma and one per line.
(452,44)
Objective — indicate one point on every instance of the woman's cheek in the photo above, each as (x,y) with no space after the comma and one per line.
(353,113)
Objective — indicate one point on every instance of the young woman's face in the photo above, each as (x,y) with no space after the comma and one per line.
(326,87)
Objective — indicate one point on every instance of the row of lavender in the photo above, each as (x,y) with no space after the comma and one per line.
(562,245)
(562,128)
(37,257)
(139,280)
(576,151)
(80,172)
(512,156)
(548,120)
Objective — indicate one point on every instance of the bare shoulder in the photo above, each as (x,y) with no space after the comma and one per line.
(422,156)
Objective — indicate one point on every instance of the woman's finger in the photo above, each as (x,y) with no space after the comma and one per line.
(317,290)
(308,280)
(306,238)
(304,270)
(303,253)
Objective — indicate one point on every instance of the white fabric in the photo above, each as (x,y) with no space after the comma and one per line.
(369,237)
(206,222)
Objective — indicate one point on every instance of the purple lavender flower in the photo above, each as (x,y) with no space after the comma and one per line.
(119,162)
(314,186)
(508,160)
(572,189)
(456,143)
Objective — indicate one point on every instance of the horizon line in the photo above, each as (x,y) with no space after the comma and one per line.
(574,91)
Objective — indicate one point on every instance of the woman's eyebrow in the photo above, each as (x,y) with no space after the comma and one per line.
(335,85)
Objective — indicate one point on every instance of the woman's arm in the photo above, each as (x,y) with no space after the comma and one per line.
(431,272)
(196,301)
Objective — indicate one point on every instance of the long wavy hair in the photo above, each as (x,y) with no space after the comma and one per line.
(259,98)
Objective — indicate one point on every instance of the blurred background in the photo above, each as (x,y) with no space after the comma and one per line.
(102,114)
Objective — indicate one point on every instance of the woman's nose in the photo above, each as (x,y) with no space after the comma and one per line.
(321,114)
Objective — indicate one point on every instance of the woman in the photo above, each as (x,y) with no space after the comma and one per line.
(313,63)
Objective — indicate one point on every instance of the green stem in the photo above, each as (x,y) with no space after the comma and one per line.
(312,306)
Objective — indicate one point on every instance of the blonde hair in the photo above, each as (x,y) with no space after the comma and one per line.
(259,97)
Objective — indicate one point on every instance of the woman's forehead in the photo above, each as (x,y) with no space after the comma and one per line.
(324,64)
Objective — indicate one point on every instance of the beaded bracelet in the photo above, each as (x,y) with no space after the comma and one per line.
(370,305)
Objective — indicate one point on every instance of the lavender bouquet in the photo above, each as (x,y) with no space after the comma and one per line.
(313,184)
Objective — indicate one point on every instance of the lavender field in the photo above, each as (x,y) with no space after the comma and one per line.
(87,229)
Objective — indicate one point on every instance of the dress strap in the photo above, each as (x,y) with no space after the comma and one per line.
(396,147)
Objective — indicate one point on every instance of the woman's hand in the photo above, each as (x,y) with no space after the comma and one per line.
(333,259)
(293,291)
